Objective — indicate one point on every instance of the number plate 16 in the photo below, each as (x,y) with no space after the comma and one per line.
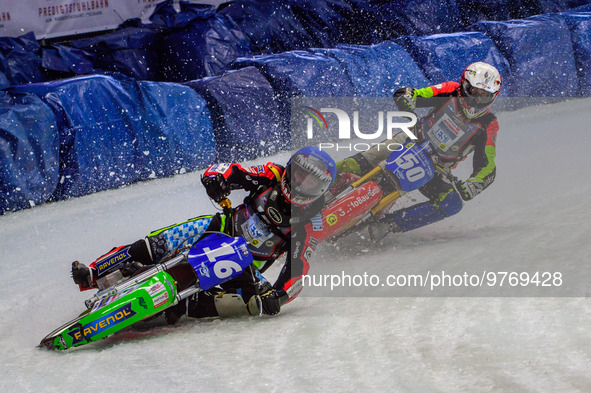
(217,259)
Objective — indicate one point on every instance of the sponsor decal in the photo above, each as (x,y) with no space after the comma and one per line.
(204,270)
(107,321)
(296,249)
(63,342)
(316,222)
(110,299)
(160,299)
(274,214)
(219,168)
(331,219)
(244,250)
(156,288)
(313,242)
(308,253)
(112,260)
(295,288)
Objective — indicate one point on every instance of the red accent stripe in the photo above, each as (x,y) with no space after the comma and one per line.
(319,114)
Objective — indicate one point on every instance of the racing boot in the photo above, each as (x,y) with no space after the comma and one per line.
(82,276)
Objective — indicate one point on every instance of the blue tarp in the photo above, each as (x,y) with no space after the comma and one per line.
(132,51)
(175,132)
(540,56)
(548,6)
(302,73)
(247,119)
(422,17)
(325,20)
(376,21)
(271,26)
(580,28)
(110,135)
(377,70)
(29,151)
(197,42)
(20,60)
(444,57)
(474,11)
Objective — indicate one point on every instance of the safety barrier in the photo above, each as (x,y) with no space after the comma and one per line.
(74,136)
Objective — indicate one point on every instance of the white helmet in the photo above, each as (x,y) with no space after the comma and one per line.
(479,86)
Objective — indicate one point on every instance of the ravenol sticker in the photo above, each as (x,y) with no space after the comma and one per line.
(107,321)
(112,260)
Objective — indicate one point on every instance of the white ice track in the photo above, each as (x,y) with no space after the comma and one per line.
(538,208)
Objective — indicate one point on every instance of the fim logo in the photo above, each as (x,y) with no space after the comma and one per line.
(204,270)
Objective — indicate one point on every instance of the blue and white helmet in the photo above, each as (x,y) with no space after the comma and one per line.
(309,173)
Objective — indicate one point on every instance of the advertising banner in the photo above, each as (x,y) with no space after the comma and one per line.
(56,18)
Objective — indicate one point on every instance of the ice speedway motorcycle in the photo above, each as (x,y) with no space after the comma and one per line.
(406,169)
(217,257)
(213,260)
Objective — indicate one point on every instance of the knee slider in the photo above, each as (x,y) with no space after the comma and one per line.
(232,305)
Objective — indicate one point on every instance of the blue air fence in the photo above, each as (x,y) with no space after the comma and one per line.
(167,128)
(113,131)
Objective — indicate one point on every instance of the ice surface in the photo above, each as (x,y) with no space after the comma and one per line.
(537,209)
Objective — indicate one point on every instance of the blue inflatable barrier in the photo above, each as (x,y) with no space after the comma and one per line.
(94,116)
(325,20)
(113,132)
(474,11)
(247,120)
(422,17)
(64,61)
(20,60)
(444,57)
(174,133)
(377,70)
(271,26)
(582,8)
(301,73)
(29,151)
(580,29)
(131,51)
(197,42)
(537,69)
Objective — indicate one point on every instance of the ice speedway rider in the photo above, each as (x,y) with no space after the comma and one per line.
(460,122)
(272,219)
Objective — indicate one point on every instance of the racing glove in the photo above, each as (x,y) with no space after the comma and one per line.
(216,186)
(404,99)
(470,188)
(272,300)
